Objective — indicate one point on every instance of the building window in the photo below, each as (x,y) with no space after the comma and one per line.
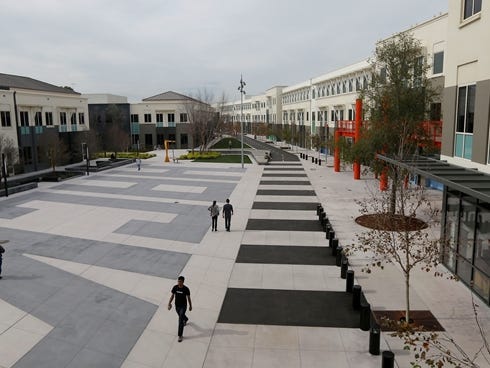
(5,118)
(73,118)
(464,123)
(49,118)
(438,61)
(171,118)
(183,141)
(81,118)
(27,155)
(135,118)
(183,118)
(435,111)
(38,118)
(471,7)
(159,118)
(149,140)
(24,118)
(147,118)
(62,118)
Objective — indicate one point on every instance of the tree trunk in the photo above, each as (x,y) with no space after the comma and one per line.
(407,292)
(393,194)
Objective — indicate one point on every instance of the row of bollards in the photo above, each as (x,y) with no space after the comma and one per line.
(359,302)
(314,160)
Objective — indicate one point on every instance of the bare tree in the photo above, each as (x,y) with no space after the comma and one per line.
(404,238)
(7,147)
(56,152)
(204,120)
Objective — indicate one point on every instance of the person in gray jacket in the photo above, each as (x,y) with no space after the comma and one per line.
(214,213)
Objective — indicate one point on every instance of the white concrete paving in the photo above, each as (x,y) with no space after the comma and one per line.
(211,270)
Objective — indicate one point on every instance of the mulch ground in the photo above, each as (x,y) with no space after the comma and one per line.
(423,319)
(390,222)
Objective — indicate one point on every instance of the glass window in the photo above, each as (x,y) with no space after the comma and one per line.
(24,118)
(134,118)
(147,118)
(451,231)
(464,121)
(49,118)
(81,118)
(171,118)
(159,118)
(438,62)
(38,118)
(5,117)
(73,118)
(183,118)
(471,7)
(482,251)
(62,118)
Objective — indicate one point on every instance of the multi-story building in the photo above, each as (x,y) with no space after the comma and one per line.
(164,117)
(33,113)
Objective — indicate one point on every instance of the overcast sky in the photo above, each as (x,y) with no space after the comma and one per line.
(142,48)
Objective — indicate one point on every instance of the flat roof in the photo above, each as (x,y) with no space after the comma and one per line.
(466,180)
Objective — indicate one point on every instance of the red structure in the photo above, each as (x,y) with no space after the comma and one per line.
(348,128)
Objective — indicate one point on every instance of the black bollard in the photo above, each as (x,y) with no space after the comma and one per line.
(319,209)
(349,282)
(356,297)
(335,245)
(387,359)
(312,160)
(343,268)
(306,156)
(338,258)
(316,160)
(320,161)
(365,321)
(331,234)
(374,340)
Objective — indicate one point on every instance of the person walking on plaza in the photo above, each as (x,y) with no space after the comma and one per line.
(227,213)
(182,296)
(138,163)
(2,251)
(214,213)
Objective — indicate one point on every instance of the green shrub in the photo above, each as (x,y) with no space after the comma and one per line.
(200,155)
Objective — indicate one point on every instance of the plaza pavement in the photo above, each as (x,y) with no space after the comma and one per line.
(91,261)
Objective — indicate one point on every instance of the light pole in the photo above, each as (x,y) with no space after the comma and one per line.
(242,92)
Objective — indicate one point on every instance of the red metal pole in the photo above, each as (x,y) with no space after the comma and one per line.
(336,153)
(357,135)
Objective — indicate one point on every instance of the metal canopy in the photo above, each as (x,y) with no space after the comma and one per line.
(469,181)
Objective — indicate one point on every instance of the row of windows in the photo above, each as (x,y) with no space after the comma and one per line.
(38,118)
(159,118)
(325,90)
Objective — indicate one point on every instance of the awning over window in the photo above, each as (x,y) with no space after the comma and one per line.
(466,180)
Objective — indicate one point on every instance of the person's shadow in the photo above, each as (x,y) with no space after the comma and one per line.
(204,332)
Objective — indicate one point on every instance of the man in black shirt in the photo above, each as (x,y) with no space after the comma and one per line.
(182,294)
(227,212)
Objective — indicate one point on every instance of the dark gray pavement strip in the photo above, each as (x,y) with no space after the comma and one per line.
(139,205)
(13,212)
(107,325)
(283,182)
(284,225)
(142,260)
(146,261)
(289,308)
(278,254)
(284,175)
(191,230)
(209,194)
(283,169)
(287,206)
(285,192)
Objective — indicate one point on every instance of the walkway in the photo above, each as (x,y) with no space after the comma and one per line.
(90,263)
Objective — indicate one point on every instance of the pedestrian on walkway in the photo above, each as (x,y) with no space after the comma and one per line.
(214,213)
(227,213)
(138,163)
(2,251)
(182,295)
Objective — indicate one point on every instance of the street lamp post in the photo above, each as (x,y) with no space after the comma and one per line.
(242,92)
